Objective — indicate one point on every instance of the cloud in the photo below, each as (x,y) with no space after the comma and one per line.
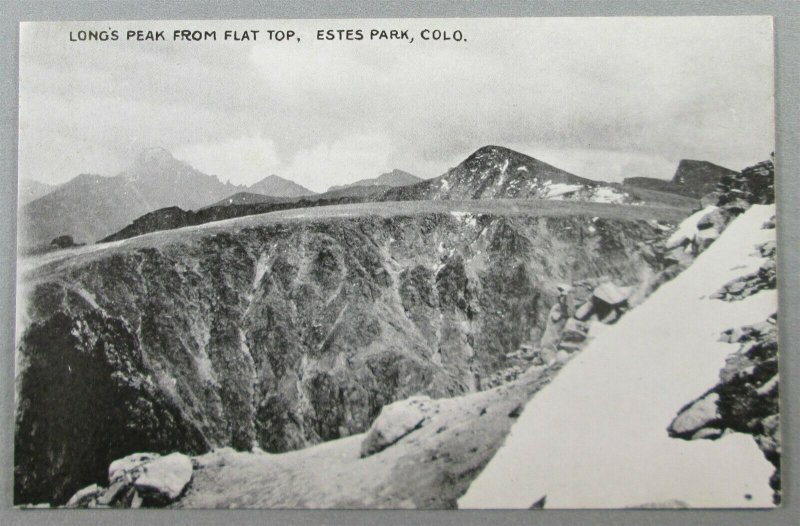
(603,97)
(243,160)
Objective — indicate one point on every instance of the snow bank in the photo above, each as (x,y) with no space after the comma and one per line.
(596,436)
(560,189)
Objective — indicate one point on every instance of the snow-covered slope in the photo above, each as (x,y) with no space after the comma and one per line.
(596,437)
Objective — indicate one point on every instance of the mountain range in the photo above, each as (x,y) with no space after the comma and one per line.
(90,207)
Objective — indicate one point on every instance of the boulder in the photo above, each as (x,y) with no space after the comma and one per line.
(83,497)
(612,294)
(584,312)
(696,416)
(574,331)
(164,479)
(128,467)
(395,421)
(570,347)
(679,256)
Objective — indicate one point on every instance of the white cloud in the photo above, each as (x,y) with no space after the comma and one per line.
(242,160)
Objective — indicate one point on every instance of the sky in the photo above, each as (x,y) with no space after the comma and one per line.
(604,98)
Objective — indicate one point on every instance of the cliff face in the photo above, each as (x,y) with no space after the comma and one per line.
(283,334)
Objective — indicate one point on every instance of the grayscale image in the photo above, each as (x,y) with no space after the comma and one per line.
(397,263)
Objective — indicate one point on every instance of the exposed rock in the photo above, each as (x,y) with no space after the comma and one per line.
(128,467)
(745,400)
(768,249)
(574,331)
(701,413)
(764,278)
(141,479)
(164,479)
(612,294)
(83,497)
(395,422)
(679,256)
(754,185)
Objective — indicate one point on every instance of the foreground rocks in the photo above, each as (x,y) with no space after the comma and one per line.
(138,480)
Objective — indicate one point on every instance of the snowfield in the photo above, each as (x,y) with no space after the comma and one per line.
(596,436)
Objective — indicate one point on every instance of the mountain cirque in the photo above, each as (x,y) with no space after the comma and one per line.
(292,328)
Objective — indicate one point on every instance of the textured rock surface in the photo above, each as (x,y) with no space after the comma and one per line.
(164,479)
(395,421)
(282,334)
(141,479)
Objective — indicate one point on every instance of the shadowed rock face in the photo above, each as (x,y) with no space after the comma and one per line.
(282,334)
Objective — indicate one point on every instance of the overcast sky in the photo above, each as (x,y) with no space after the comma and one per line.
(602,98)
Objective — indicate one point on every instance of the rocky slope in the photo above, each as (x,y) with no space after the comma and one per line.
(288,332)
(746,397)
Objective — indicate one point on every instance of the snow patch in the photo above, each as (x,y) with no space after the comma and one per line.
(596,437)
(561,189)
(605,194)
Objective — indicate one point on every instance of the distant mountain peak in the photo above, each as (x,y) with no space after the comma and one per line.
(276,186)
(394,178)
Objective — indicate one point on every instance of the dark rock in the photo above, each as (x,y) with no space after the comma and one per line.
(63,242)
(738,289)
(768,249)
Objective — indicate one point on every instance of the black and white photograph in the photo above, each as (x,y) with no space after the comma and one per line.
(418,263)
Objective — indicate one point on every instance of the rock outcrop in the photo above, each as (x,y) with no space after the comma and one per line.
(139,480)
(395,421)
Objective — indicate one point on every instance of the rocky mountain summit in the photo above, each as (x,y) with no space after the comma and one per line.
(497,172)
